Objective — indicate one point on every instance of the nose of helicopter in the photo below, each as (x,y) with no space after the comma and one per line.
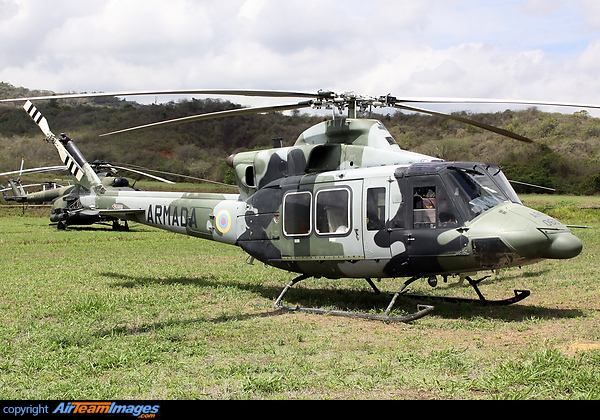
(563,244)
(532,234)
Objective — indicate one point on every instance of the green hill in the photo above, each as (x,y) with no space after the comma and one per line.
(565,156)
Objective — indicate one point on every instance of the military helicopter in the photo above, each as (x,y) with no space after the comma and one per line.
(345,201)
(50,190)
(66,208)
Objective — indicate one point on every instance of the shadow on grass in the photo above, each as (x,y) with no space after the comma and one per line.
(353,300)
(105,227)
(158,325)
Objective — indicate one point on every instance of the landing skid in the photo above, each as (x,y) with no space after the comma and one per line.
(422,310)
(519,294)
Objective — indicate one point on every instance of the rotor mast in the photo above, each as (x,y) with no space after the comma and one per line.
(352,108)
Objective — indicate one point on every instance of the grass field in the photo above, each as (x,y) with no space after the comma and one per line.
(89,313)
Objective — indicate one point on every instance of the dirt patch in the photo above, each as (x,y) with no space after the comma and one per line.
(579,346)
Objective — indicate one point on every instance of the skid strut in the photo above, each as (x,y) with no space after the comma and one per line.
(422,310)
(519,295)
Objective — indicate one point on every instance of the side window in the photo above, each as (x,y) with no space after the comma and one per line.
(296,213)
(432,208)
(424,212)
(375,208)
(332,211)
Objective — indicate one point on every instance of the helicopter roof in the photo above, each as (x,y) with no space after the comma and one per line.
(358,132)
(371,134)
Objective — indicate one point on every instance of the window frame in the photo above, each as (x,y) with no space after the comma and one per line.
(348,212)
(310,213)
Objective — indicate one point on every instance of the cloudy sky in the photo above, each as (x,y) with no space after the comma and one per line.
(524,49)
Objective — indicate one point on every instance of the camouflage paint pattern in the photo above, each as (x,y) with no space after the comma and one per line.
(500,233)
(346,201)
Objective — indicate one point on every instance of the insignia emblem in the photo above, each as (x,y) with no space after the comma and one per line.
(223,221)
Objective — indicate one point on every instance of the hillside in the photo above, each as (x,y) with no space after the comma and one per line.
(566,155)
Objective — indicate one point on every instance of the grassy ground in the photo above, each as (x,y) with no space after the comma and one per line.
(89,313)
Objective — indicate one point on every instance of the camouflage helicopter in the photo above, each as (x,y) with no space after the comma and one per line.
(66,208)
(345,201)
(51,190)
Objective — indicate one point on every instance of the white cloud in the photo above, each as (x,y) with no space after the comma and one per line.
(250,9)
(533,49)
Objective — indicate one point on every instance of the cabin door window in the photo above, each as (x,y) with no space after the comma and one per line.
(376,208)
(333,212)
(297,213)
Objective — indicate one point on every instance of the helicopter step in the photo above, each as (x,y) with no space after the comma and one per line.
(422,310)
(519,294)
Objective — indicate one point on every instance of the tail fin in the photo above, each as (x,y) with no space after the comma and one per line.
(69,154)
(16,189)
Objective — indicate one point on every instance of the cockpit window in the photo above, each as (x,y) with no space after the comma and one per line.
(499,177)
(474,191)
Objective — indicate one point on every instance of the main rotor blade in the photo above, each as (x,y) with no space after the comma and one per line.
(440,100)
(487,127)
(30,185)
(231,92)
(36,170)
(178,175)
(321,94)
(531,185)
(144,173)
(218,114)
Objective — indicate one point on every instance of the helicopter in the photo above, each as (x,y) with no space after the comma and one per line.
(50,190)
(345,201)
(66,208)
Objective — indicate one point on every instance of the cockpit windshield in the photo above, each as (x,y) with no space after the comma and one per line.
(475,191)
(500,179)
